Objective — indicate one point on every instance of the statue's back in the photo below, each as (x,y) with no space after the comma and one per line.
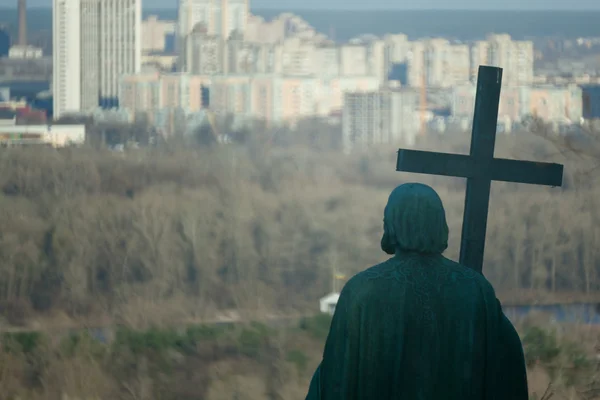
(416,327)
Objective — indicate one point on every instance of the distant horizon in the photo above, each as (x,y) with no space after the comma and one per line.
(348,23)
(569,10)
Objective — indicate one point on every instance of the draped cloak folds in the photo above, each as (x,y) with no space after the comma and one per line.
(419,326)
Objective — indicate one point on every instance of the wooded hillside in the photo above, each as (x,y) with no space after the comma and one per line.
(186,232)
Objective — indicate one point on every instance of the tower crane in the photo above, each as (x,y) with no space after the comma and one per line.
(210,115)
(423,99)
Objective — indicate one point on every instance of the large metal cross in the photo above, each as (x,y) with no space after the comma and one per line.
(480,167)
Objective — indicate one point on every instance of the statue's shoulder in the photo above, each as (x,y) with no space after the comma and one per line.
(358,282)
(405,269)
(461,271)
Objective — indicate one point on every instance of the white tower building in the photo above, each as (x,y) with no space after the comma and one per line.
(96,42)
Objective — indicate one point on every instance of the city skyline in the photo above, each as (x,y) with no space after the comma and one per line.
(460,5)
(282,69)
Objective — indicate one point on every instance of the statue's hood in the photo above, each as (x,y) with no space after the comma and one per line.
(414,220)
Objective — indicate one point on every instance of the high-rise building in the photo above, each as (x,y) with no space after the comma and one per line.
(478,56)
(353,60)
(298,57)
(155,33)
(204,53)
(379,117)
(437,63)
(327,62)
(376,60)
(220,17)
(515,57)
(95,43)
(66,55)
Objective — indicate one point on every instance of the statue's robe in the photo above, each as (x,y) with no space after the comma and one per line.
(420,327)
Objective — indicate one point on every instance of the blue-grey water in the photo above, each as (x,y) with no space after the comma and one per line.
(26,89)
(460,25)
(578,313)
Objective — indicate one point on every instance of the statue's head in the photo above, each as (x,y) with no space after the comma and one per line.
(414,220)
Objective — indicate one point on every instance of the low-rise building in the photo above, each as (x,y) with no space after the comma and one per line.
(51,135)
(25,52)
(328,303)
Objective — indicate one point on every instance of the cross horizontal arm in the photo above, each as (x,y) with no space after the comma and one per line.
(535,173)
(464,166)
(433,163)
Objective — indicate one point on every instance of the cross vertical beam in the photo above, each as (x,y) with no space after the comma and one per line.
(483,139)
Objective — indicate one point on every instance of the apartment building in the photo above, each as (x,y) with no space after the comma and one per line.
(397,48)
(513,102)
(515,57)
(231,95)
(376,65)
(354,60)
(66,39)
(220,18)
(163,62)
(457,65)
(478,56)
(260,31)
(440,63)
(379,117)
(327,62)
(298,57)
(282,27)
(557,104)
(274,97)
(88,61)
(155,33)
(334,90)
(252,58)
(437,63)
(562,104)
(154,91)
(204,52)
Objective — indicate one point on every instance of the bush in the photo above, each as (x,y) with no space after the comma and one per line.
(577,364)
(540,346)
(82,342)
(153,339)
(21,342)
(298,358)
(317,326)
(253,339)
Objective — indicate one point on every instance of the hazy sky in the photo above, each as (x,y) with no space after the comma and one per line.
(385,4)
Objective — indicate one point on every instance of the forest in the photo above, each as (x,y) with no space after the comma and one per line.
(177,234)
